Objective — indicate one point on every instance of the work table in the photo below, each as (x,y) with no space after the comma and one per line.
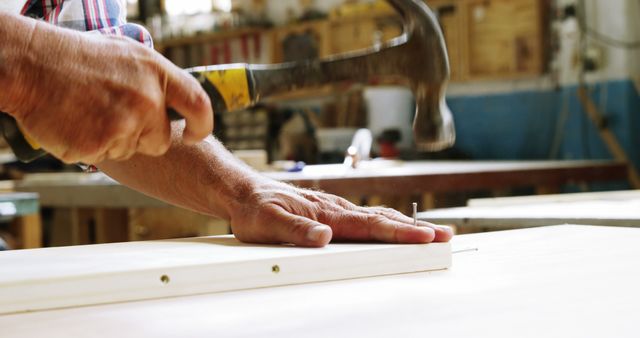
(611,208)
(561,281)
(98,190)
(95,203)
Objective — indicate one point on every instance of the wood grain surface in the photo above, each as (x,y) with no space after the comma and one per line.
(87,275)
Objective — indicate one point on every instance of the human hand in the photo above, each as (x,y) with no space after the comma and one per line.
(90,98)
(279,213)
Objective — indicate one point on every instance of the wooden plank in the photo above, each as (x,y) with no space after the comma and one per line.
(79,276)
(595,212)
(547,282)
(622,195)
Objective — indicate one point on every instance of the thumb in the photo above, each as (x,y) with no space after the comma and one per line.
(301,231)
(186,96)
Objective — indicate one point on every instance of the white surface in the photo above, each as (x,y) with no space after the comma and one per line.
(622,195)
(544,282)
(391,168)
(87,275)
(391,108)
(620,208)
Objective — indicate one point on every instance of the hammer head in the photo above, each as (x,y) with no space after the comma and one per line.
(420,56)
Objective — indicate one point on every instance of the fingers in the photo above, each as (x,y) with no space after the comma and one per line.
(280,226)
(186,96)
(442,233)
(365,226)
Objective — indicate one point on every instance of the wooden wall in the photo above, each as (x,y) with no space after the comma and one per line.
(494,39)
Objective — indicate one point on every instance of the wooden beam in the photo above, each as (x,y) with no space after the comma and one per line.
(609,138)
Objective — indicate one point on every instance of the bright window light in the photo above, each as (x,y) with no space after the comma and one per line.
(182,7)
(223,5)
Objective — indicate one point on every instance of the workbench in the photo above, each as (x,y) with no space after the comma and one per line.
(107,204)
(561,281)
(613,208)
(447,176)
(98,190)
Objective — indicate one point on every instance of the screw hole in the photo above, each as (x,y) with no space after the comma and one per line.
(165,279)
(275,269)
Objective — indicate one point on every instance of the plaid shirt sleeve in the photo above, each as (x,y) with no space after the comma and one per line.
(103,16)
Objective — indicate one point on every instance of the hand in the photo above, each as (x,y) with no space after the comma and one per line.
(280,213)
(90,98)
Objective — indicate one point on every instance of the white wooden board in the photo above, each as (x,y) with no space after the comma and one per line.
(598,212)
(564,282)
(610,196)
(87,275)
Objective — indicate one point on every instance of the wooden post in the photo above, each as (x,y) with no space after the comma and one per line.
(30,230)
(608,136)
(111,225)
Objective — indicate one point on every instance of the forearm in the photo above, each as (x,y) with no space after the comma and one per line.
(205,178)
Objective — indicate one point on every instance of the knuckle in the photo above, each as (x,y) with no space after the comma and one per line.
(390,212)
(377,219)
(200,99)
(120,126)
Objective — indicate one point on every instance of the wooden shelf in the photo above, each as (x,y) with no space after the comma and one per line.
(163,45)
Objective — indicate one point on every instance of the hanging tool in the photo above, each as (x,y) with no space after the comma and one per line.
(417,59)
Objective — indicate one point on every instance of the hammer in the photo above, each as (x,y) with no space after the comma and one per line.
(417,59)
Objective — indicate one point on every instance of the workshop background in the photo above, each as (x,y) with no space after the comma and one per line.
(555,82)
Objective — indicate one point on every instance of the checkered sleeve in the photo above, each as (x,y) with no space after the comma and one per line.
(102,16)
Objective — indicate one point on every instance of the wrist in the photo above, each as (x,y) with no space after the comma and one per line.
(236,192)
(228,183)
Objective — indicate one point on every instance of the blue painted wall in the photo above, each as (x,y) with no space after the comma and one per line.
(522,125)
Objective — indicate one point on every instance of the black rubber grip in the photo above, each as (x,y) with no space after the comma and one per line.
(174,115)
(20,146)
